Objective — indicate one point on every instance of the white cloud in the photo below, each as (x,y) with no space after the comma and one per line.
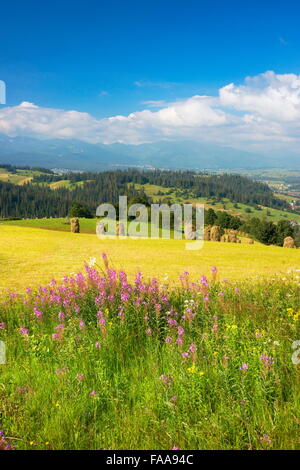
(262,112)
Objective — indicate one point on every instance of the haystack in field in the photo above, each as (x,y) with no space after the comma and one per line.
(215,233)
(189,232)
(207,234)
(120,230)
(100,228)
(75,226)
(251,242)
(232,236)
(289,242)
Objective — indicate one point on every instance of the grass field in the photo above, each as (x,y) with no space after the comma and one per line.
(30,256)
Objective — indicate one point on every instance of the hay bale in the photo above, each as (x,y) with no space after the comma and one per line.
(251,242)
(189,232)
(207,234)
(100,228)
(289,242)
(75,226)
(239,240)
(215,233)
(120,230)
(224,238)
(232,236)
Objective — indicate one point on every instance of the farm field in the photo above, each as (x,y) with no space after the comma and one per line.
(30,256)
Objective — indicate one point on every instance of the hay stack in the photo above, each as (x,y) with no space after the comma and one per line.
(100,228)
(289,242)
(120,230)
(251,242)
(75,227)
(189,232)
(207,234)
(232,236)
(215,233)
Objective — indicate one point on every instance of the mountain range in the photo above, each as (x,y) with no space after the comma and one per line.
(78,155)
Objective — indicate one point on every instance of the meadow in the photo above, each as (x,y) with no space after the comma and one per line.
(96,361)
(30,256)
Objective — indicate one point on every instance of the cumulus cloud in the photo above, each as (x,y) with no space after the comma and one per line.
(262,112)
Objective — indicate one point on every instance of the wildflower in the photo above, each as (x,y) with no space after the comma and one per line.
(37,313)
(175,448)
(80,377)
(265,439)
(168,339)
(148,331)
(56,336)
(244,367)
(179,341)
(23,331)
(267,361)
(174,399)
(91,262)
(97,345)
(60,315)
(185,354)
(93,394)
(192,348)
(2,326)
(81,324)
(180,331)
(165,379)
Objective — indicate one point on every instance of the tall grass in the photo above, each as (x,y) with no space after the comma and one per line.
(97,362)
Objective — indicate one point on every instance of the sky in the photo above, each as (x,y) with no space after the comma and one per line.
(142,71)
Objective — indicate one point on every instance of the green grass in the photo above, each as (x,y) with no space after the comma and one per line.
(145,394)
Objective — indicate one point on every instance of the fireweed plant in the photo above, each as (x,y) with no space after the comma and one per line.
(98,362)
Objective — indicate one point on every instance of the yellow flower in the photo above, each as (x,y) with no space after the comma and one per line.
(193,370)
(215,354)
(31,443)
(57,405)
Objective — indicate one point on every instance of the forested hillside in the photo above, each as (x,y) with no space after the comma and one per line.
(37,199)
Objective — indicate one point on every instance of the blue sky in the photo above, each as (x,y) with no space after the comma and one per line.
(89,55)
(139,58)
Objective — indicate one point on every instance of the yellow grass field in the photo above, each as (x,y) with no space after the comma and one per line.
(31,256)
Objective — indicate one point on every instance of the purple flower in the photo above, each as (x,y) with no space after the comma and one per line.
(2,326)
(185,354)
(192,348)
(244,367)
(93,393)
(80,377)
(37,313)
(56,336)
(180,331)
(168,339)
(60,315)
(165,379)
(97,345)
(23,331)
(148,331)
